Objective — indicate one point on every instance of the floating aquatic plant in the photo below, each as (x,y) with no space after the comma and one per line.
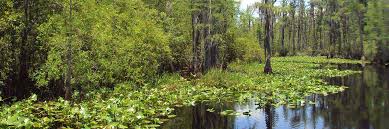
(293,79)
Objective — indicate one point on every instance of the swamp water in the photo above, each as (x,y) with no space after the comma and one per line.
(363,105)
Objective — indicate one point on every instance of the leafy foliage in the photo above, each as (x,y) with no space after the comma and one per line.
(112,42)
(122,50)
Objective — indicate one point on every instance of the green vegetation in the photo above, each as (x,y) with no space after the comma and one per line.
(319,59)
(153,104)
(129,63)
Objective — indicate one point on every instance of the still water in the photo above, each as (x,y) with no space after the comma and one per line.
(364,105)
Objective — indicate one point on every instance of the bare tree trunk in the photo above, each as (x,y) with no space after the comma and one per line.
(320,20)
(303,34)
(210,60)
(333,28)
(195,43)
(300,25)
(361,29)
(283,51)
(195,39)
(293,4)
(268,68)
(339,40)
(273,20)
(361,23)
(68,78)
(299,33)
(260,24)
(332,39)
(313,30)
(293,36)
(290,33)
(345,35)
(21,86)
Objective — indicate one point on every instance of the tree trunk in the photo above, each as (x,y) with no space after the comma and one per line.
(209,46)
(290,33)
(68,88)
(22,83)
(195,40)
(320,20)
(293,4)
(268,68)
(333,28)
(300,25)
(346,36)
(273,20)
(361,29)
(298,33)
(283,51)
(313,30)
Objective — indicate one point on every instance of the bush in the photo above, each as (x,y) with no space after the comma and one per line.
(111,42)
(249,48)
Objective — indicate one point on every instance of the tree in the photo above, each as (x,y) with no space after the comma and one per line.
(211,22)
(22,52)
(111,43)
(320,26)
(300,24)
(260,23)
(210,47)
(283,51)
(196,33)
(377,47)
(68,77)
(333,25)
(268,20)
(313,29)
(292,24)
(361,23)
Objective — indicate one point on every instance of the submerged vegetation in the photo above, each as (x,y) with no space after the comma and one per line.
(150,106)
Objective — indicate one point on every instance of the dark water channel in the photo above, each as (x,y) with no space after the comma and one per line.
(364,105)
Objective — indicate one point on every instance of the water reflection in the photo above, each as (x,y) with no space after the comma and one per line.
(198,117)
(364,105)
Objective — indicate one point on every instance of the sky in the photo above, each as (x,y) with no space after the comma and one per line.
(245,3)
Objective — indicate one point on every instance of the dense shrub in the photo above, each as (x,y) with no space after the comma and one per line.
(111,42)
(249,48)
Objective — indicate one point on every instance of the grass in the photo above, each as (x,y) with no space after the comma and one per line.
(148,107)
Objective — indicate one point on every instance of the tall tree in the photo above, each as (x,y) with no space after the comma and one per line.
(361,23)
(268,20)
(284,23)
(209,46)
(68,77)
(260,23)
(313,40)
(196,18)
(320,26)
(292,25)
(333,24)
(300,24)
(24,52)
